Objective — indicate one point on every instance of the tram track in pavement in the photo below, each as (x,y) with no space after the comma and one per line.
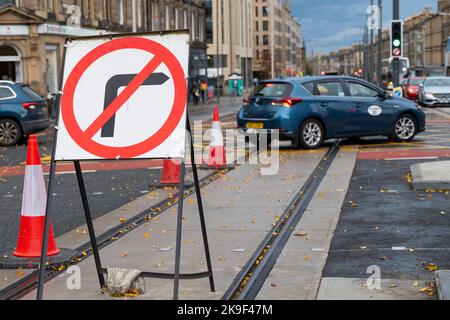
(250,280)
(29,283)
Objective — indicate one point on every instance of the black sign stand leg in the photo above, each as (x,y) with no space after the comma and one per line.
(43,263)
(200,207)
(90,225)
(177,276)
(176,283)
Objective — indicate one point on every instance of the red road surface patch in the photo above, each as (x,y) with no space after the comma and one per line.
(97,166)
(94,166)
(402,154)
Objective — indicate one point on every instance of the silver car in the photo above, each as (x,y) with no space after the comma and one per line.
(435,91)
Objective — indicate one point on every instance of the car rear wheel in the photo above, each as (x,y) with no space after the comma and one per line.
(10,132)
(405,129)
(311,135)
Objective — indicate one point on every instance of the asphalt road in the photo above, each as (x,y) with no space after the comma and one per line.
(107,190)
(385,223)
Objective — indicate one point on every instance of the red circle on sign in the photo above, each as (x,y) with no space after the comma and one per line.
(177,112)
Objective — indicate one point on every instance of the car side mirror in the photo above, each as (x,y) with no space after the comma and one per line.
(385,95)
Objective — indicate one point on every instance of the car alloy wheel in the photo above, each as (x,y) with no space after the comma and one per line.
(311,135)
(405,128)
(9,132)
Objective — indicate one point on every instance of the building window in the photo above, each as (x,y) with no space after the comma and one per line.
(121,12)
(167,18)
(177,18)
(10,64)
(50,5)
(194,27)
(51,58)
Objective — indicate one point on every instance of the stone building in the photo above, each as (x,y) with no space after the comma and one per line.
(230,47)
(277,40)
(32,32)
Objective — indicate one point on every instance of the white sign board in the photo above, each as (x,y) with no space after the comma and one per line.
(124,97)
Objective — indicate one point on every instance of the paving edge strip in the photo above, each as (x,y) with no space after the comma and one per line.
(443,284)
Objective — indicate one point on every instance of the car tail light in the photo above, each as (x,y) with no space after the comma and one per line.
(413,89)
(31,105)
(287,102)
(246,102)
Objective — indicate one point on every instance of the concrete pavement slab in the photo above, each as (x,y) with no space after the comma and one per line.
(443,284)
(356,289)
(431,175)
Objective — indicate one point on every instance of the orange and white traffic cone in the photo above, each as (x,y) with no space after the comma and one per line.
(217,156)
(170,172)
(34,202)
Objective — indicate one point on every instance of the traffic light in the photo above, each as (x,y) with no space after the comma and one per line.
(396,38)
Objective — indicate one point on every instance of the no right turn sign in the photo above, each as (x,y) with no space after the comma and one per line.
(124,98)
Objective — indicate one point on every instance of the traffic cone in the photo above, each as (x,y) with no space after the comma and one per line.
(217,157)
(170,172)
(34,201)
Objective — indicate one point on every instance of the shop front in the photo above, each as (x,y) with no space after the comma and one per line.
(31,50)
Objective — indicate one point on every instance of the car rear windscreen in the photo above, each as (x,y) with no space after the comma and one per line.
(273,90)
(438,82)
(30,93)
(416,82)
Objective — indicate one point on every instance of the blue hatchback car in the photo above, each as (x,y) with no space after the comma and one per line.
(22,112)
(310,110)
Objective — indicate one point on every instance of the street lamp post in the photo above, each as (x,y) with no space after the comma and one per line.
(371,55)
(380,42)
(396,61)
(272,40)
(219,58)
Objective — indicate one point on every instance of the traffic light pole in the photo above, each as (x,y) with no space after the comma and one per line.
(396,61)
(380,43)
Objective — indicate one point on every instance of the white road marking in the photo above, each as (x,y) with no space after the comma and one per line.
(412,158)
(70,172)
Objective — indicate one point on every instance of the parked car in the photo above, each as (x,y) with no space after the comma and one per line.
(435,91)
(22,112)
(411,88)
(309,110)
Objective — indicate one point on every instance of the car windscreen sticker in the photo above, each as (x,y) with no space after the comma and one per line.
(375,111)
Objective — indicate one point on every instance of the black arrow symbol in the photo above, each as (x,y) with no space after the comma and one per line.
(112,90)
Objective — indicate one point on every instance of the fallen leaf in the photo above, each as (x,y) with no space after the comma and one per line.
(431,267)
(20,274)
(363,247)
(300,234)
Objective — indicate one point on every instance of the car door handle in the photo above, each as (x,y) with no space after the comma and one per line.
(324,104)
(359,105)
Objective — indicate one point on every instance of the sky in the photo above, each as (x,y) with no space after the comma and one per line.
(332,24)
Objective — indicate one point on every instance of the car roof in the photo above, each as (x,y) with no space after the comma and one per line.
(6,82)
(308,79)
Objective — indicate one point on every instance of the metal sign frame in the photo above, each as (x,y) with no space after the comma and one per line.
(176,276)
